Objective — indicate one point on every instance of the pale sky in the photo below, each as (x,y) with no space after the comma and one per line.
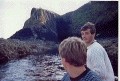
(14,13)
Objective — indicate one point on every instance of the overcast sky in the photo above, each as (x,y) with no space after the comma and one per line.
(13,13)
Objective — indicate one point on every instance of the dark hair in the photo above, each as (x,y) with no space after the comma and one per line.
(74,50)
(90,26)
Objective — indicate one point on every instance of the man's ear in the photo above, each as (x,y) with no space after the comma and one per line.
(94,35)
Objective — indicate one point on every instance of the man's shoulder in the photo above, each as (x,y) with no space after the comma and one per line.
(91,73)
(96,48)
(65,77)
(96,45)
(92,76)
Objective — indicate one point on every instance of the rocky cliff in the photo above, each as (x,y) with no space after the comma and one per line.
(40,25)
(47,25)
(103,13)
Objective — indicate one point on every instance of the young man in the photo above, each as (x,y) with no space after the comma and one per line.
(97,58)
(73,54)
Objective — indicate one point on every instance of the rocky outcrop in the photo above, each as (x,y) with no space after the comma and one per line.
(40,25)
(103,13)
(11,50)
(47,25)
(15,49)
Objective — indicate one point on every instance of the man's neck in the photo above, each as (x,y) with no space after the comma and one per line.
(88,44)
(76,71)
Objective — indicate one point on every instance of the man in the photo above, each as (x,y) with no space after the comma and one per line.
(97,58)
(73,54)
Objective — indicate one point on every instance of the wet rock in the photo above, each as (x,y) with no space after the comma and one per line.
(3,58)
(61,67)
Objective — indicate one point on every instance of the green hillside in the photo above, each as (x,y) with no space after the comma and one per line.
(103,13)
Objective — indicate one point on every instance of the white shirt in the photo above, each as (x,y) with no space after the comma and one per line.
(98,61)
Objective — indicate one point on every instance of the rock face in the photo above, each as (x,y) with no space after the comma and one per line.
(103,13)
(14,49)
(47,25)
(41,25)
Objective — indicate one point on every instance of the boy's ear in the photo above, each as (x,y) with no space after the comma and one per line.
(67,63)
(64,59)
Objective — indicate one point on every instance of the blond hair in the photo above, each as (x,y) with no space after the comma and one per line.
(74,50)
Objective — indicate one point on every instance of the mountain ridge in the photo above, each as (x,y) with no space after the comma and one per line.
(46,25)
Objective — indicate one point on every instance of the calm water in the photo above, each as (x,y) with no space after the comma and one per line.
(32,68)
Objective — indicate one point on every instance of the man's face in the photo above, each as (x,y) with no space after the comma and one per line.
(87,36)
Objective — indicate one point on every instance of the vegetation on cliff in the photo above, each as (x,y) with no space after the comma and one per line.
(103,13)
(14,49)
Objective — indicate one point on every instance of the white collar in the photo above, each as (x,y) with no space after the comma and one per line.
(91,44)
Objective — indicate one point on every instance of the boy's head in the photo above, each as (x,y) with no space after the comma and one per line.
(73,51)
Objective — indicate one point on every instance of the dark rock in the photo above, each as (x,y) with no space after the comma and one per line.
(103,13)
(3,58)
(61,67)
(41,25)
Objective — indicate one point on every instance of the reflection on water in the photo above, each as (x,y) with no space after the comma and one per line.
(32,68)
